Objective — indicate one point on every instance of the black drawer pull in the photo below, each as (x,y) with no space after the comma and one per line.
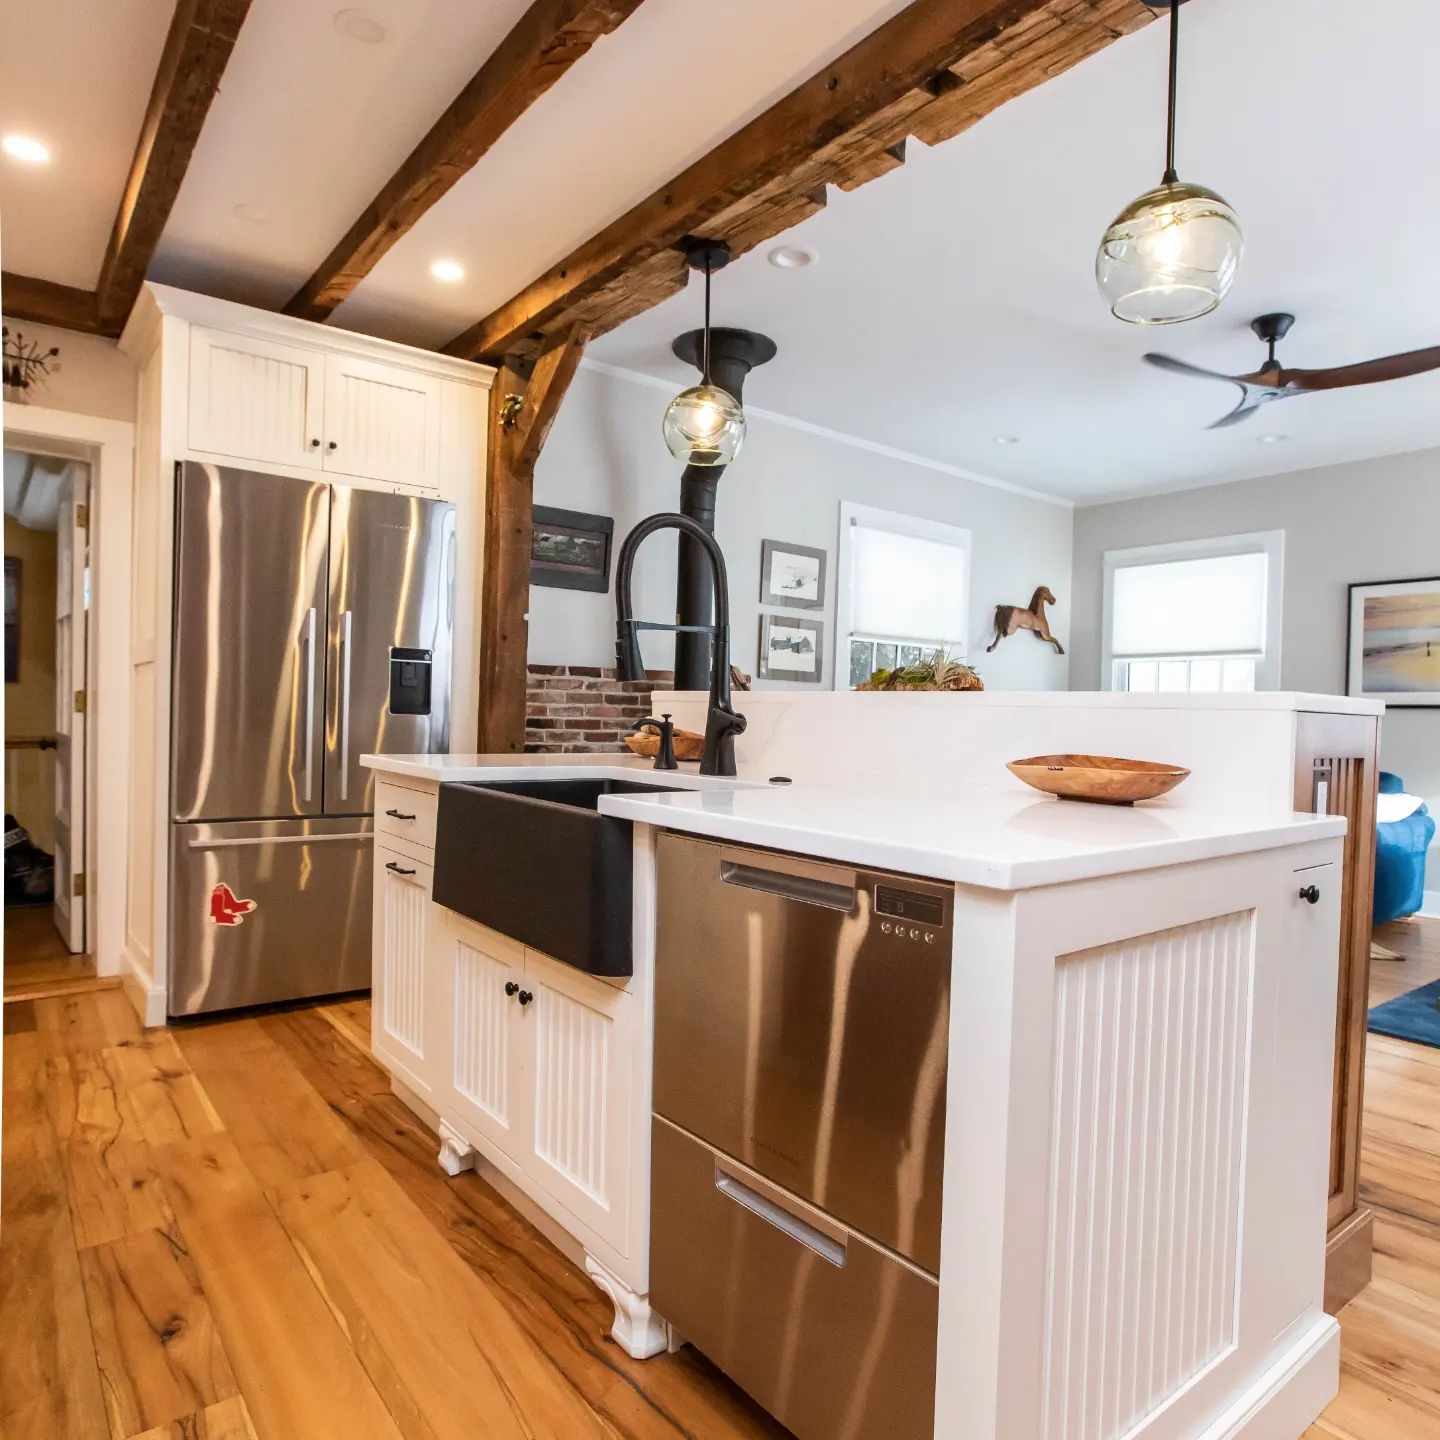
(525,997)
(399,815)
(511,987)
(1310,894)
(398,869)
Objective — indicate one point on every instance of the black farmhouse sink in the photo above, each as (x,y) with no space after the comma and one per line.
(534,860)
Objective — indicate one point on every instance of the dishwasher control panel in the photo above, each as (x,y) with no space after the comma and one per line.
(908,914)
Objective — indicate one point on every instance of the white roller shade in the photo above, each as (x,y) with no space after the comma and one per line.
(1212,606)
(908,587)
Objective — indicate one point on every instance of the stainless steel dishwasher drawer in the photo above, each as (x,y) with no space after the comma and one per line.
(833,1335)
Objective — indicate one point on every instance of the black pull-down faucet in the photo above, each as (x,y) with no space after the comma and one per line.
(722,724)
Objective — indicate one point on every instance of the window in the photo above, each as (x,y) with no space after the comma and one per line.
(1201,615)
(904,591)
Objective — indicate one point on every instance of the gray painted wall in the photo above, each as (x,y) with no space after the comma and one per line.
(1369,520)
(605,455)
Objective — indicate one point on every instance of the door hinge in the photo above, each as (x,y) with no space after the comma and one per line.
(77,887)
(82,516)
(79,702)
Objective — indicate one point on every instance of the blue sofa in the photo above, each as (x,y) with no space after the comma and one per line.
(1400,857)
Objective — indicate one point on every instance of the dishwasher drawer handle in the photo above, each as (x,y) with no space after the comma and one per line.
(399,815)
(802,888)
(782,1219)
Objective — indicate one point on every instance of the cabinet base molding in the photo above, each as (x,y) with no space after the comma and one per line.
(1349,1257)
(1286,1398)
(638,1330)
(457,1154)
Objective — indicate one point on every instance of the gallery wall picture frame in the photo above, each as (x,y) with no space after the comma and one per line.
(791,648)
(1393,642)
(792,575)
(570,550)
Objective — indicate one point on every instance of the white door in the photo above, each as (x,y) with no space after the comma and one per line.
(382,422)
(487,1085)
(401,1013)
(253,399)
(579,1045)
(72,557)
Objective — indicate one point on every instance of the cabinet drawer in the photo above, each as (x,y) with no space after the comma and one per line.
(409,814)
(830,1333)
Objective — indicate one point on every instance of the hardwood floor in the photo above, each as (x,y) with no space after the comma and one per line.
(233,1231)
(36,960)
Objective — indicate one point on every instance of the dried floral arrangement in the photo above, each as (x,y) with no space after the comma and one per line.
(936,672)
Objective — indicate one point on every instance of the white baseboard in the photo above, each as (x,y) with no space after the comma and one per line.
(1286,1398)
(150,1000)
(1430,905)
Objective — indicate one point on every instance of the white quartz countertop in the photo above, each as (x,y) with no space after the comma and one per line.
(1001,837)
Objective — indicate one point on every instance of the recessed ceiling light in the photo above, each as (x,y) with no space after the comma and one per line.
(359,25)
(26,149)
(1272,439)
(252,214)
(447,270)
(1007,439)
(792,257)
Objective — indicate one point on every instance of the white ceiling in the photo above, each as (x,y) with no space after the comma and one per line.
(953,300)
(75,75)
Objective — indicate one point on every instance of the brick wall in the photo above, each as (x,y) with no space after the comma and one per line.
(581,708)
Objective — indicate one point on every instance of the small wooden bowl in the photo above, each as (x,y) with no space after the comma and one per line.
(688,745)
(1101,779)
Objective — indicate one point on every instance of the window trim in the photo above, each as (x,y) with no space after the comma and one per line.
(1269,542)
(897,523)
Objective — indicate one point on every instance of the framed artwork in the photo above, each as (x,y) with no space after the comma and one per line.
(791,649)
(570,550)
(12,619)
(1394,642)
(792,575)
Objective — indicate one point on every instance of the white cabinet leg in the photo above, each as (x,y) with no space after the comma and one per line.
(457,1154)
(638,1330)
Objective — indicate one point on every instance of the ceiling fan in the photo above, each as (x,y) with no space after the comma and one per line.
(1274,382)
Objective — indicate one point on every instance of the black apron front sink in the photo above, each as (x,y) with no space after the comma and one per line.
(534,860)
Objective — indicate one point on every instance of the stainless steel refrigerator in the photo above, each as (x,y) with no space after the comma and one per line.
(313,625)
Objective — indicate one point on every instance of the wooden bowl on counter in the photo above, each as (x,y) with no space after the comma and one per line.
(688,745)
(1101,779)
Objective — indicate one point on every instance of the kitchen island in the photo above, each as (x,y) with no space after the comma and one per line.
(1134,1133)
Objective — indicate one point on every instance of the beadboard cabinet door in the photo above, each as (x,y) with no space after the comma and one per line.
(579,1046)
(254,399)
(382,422)
(403,1031)
(484,975)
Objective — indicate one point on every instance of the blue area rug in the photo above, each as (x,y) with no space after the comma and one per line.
(1415,1016)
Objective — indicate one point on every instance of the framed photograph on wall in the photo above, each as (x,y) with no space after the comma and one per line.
(791,649)
(570,550)
(792,575)
(1394,642)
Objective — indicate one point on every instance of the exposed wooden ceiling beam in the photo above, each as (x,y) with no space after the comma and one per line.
(931,71)
(43,302)
(197,49)
(547,40)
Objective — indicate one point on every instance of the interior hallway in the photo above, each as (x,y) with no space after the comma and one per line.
(233,1229)
(36,960)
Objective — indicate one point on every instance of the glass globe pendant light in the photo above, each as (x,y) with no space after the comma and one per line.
(705,425)
(1171,254)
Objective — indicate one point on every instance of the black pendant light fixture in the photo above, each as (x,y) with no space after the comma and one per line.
(705,425)
(1171,254)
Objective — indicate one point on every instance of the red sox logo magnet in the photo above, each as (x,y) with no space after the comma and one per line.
(226,908)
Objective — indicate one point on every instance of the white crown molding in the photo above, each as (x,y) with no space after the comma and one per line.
(823,432)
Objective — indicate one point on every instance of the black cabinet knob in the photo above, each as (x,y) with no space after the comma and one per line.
(1310,894)
(332,446)
(511,987)
(314,444)
(525,997)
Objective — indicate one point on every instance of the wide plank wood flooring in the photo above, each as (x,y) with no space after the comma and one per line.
(234,1231)
(36,960)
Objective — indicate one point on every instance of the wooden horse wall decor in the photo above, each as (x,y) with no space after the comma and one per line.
(1010,618)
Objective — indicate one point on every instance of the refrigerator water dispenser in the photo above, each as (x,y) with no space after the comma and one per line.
(410,681)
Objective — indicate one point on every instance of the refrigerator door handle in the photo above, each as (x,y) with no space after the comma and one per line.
(308,640)
(240,843)
(346,620)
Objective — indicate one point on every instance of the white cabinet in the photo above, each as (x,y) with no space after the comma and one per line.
(407,1014)
(382,422)
(255,399)
(542,1069)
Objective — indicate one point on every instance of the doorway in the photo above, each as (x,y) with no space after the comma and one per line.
(47,568)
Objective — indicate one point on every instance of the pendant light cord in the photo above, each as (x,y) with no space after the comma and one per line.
(1171,177)
(705,369)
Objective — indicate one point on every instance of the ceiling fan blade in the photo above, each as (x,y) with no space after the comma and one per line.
(1249,404)
(1183,367)
(1367,372)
